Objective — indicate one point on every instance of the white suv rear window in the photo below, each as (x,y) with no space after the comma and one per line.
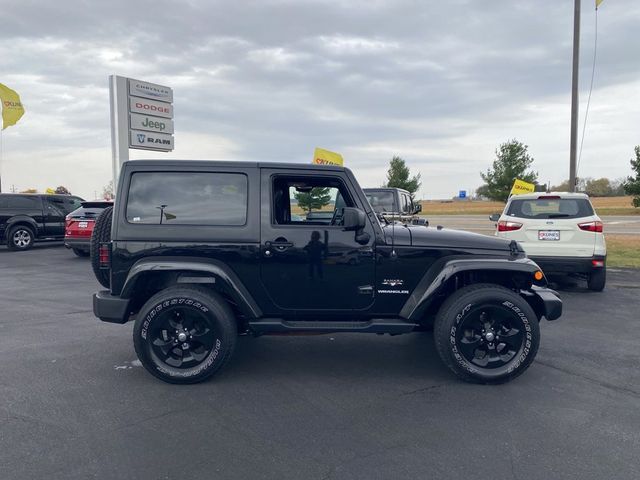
(550,208)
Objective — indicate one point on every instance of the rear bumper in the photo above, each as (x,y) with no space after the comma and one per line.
(110,308)
(569,264)
(80,243)
(545,302)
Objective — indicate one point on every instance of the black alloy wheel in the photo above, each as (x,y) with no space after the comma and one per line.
(486,333)
(185,334)
(181,337)
(490,336)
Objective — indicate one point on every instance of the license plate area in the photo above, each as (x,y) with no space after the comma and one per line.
(549,235)
(82,224)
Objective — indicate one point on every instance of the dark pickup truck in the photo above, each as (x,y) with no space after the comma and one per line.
(25,218)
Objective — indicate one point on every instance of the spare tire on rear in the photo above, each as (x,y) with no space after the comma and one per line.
(101,234)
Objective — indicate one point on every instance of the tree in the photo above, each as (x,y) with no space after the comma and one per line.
(512,161)
(317,198)
(600,187)
(63,190)
(632,185)
(107,191)
(398,176)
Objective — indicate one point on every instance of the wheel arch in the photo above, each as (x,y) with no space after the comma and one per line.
(150,275)
(448,275)
(22,220)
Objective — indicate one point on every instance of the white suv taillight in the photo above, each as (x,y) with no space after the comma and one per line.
(505,226)
(591,227)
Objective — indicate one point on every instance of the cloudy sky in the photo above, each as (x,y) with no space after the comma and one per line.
(440,83)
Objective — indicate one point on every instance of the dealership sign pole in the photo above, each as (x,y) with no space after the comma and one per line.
(141,118)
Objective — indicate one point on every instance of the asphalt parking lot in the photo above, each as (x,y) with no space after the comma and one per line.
(74,402)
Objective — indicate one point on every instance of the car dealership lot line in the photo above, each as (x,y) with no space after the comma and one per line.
(74,402)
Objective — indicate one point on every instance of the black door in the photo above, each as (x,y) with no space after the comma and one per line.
(308,261)
(54,213)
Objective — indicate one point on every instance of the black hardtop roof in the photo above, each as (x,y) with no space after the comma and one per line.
(231,163)
(384,189)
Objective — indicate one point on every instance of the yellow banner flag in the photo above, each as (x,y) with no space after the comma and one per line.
(598,2)
(12,109)
(520,187)
(325,157)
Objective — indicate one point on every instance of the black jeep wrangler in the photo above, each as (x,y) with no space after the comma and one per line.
(199,252)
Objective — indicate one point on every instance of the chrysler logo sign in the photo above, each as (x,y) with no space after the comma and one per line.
(150,90)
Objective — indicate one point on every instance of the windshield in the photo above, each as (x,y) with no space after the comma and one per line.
(542,208)
(381,201)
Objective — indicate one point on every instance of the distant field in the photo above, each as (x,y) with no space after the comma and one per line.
(603,205)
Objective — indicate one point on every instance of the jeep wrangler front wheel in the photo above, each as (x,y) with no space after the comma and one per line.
(487,334)
(184,334)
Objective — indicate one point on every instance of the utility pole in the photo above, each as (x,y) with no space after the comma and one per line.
(574,96)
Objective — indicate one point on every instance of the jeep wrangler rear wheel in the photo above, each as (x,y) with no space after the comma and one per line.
(184,334)
(487,334)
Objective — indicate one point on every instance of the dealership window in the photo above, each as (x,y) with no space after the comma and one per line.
(172,198)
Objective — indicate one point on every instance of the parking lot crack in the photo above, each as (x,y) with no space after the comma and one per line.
(425,389)
(591,380)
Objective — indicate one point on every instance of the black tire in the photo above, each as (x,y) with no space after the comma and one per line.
(497,358)
(203,318)
(20,238)
(597,279)
(101,233)
(80,253)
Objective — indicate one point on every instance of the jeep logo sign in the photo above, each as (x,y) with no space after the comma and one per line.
(150,123)
(150,107)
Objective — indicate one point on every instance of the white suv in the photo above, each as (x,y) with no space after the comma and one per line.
(560,231)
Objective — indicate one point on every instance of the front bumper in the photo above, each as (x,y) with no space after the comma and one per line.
(545,302)
(551,265)
(110,308)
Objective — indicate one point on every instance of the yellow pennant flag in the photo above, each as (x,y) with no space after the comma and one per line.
(520,187)
(598,2)
(325,157)
(12,109)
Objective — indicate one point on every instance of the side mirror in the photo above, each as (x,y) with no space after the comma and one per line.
(353,219)
(495,217)
(418,208)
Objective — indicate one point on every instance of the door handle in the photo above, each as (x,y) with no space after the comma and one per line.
(279,245)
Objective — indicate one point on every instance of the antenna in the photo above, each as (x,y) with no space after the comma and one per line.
(394,255)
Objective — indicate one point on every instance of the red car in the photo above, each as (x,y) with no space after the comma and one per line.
(79,225)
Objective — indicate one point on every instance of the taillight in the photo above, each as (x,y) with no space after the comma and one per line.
(104,255)
(506,226)
(591,227)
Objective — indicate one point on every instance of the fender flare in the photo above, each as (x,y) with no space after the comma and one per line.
(208,271)
(23,219)
(441,271)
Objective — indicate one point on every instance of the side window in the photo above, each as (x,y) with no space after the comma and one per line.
(23,201)
(55,206)
(309,200)
(71,204)
(185,198)
(406,204)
